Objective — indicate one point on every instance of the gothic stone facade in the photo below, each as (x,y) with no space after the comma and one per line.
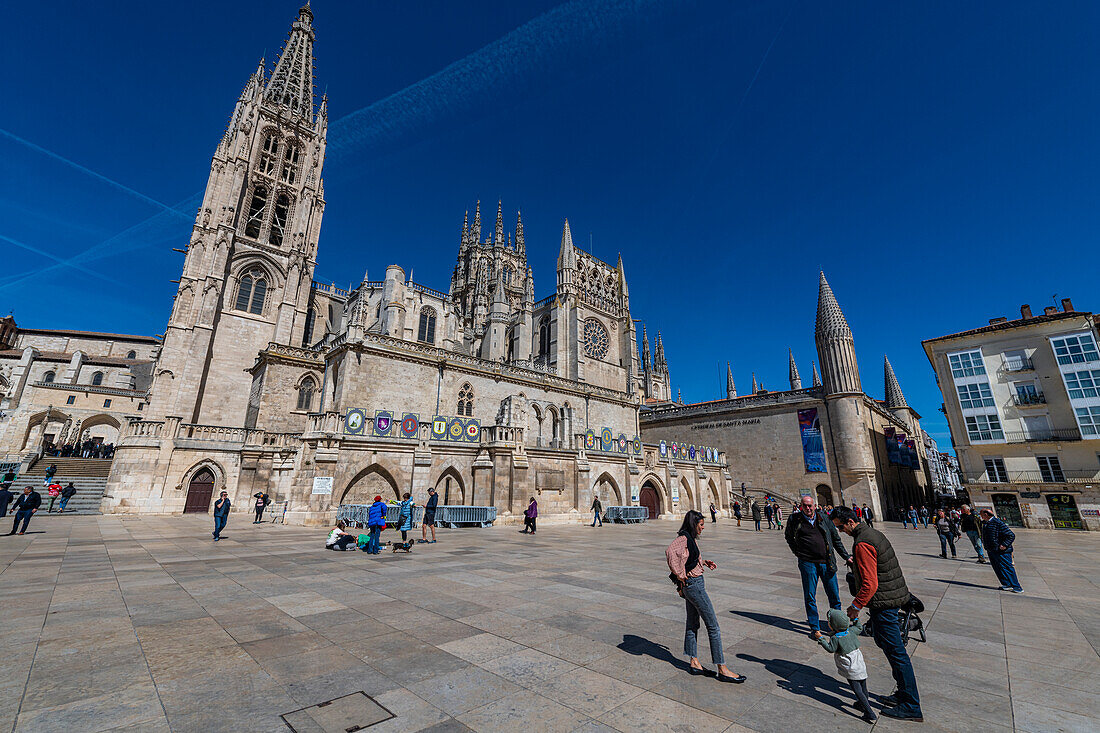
(261,366)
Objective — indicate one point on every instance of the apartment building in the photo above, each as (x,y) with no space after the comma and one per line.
(1022,399)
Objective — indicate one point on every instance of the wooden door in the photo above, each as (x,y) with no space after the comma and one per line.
(649,499)
(199,492)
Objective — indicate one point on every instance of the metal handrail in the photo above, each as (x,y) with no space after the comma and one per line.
(1042,436)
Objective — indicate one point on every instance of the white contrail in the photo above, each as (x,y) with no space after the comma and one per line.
(61,262)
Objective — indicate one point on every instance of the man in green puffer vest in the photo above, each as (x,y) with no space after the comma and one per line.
(882,591)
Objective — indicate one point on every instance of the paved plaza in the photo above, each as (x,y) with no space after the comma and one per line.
(145,624)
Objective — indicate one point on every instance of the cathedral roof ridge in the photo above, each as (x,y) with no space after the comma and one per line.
(91,334)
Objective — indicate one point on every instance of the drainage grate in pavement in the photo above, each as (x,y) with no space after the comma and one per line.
(346,714)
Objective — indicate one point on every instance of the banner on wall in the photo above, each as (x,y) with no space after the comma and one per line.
(813,448)
(891,445)
(354,421)
(675,492)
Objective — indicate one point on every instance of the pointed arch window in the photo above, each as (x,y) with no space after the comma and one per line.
(269,155)
(290,164)
(252,291)
(507,275)
(97,379)
(48,377)
(466,400)
(544,336)
(305,393)
(426,333)
(256,212)
(278,221)
(131,354)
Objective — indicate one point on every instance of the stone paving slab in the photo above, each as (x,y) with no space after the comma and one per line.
(145,624)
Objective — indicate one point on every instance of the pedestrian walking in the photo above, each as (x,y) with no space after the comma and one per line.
(54,492)
(25,507)
(687,567)
(597,510)
(769,512)
(868,516)
(376,522)
(913,516)
(66,493)
(924,515)
(882,591)
(998,539)
(6,498)
(530,514)
(50,471)
(339,538)
(8,480)
(777,511)
(844,644)
(429,516)
(756,514)
(262,500)
(815,542)
(713,513)
(221,514)
(737,512)
(972,527)
(947,531)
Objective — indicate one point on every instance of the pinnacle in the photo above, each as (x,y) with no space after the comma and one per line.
(894,397)
(830,319)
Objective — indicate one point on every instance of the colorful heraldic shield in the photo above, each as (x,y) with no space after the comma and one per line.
(637,446)
(472,431)
(590,440)
(674,449)
(439,428)
(622,442)
(683,450)
(662,448)
(383,422)
(355,421)
(456,429)
(606,439)
(691,452)
(410,425)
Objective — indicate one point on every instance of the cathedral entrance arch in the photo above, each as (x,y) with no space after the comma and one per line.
(650,498)
(714,494)
(100,429)
(200,489)
(606,488)
(687,498)
(824,495)
(449,487)
(372,481)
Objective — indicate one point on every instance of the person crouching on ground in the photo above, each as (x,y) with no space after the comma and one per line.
(882,591)
(687,566)
(376,522)
(339,538)
(844,644)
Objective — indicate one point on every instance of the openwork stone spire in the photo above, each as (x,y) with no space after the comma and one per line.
(894,398)
(291,84)
(796,380)
(647,363)
(835,345)
(566,257)
(731,389)
(659,363)
(755,387)
(817,377)
(499,234)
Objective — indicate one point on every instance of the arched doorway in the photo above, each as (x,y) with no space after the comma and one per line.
(687,496)
(370,482)
(199,492)
(824,495)
(608,491)
(650,498)
(450,489)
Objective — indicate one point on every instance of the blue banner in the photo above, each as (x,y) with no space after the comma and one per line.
(813,447)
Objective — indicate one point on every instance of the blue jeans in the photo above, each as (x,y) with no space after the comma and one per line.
(64,502)
(914,521)
(810,572)
(886,627)
(976,540)
(596,519)
(372,543)
(219,525)
(1005,570)
(22,515)
(945,540)
(698,605)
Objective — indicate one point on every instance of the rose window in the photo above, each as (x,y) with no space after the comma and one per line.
(595,339)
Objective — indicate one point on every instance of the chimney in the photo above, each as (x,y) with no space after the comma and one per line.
(998,319)
(1067,305)
(1025,311)
(1050,310)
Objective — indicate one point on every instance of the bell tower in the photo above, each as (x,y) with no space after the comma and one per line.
(248,269)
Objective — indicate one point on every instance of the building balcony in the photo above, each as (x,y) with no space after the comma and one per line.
(1084,476)
(1019,365)
(1029,400)
(1049,435)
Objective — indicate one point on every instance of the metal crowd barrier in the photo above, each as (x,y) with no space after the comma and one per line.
(454,516)
(626,514)
(358,513)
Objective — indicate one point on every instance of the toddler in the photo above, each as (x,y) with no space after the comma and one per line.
(844,644)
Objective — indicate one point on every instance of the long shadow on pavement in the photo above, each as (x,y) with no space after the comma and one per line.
(640,646)
(802,679)
(769,620)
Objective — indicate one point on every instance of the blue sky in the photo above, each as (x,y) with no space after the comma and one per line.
(937,159)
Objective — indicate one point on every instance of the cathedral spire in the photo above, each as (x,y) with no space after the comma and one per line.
(894,398)
(835,345)
(519,232)
(679,396)
(567,258)
(622,277)
(755,388)
(646,361)
(659,363)
(796,380)
(291,84)
(476,232)
(499,234)
(731,389)
(817,377)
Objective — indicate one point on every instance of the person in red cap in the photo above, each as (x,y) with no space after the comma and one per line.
(376,522)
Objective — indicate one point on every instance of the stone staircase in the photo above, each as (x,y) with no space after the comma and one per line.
(89,476)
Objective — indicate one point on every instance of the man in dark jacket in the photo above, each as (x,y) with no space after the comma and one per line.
(597,510)
(6,498)
(67,493)
(998,539)
(429,515)
(221,514)
(972,528)
(815,541)
(868,515)
(882,591)
(25,507)
(756,515)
